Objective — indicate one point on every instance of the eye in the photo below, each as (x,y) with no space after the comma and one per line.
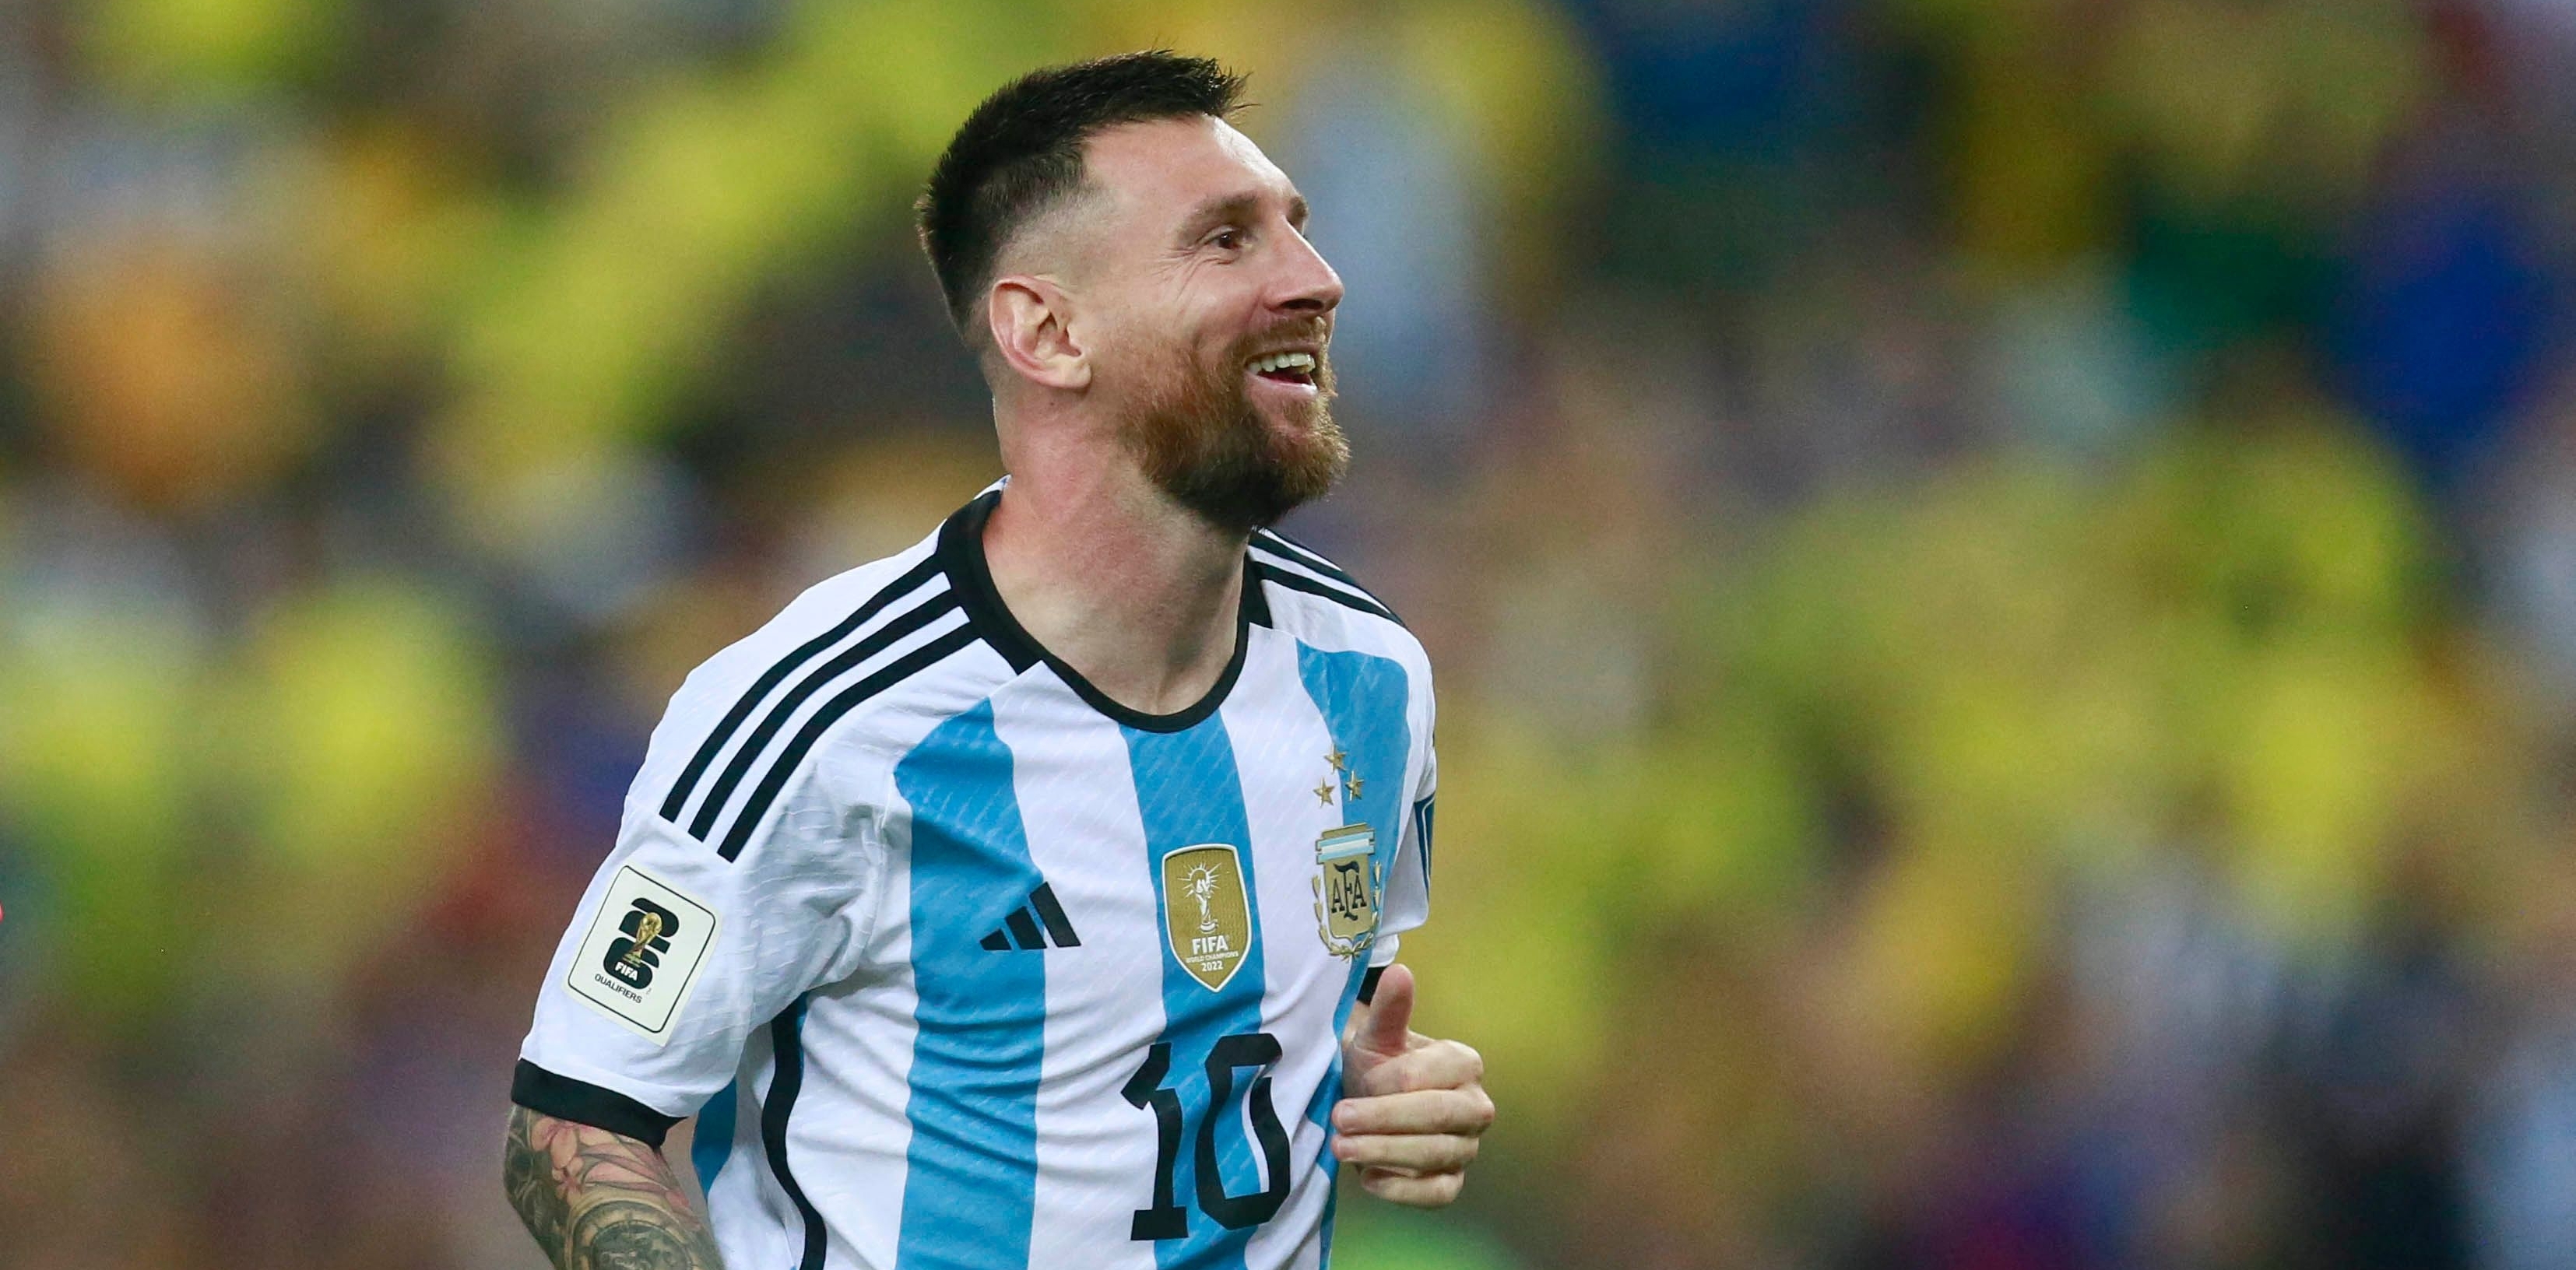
(1227,239)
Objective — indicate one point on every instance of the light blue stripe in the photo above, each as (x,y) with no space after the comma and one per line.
(1191,794)
(1363,698)
(712,1144)
(970,1192)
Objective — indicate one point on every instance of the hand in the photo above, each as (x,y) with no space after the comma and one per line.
(1413,1108)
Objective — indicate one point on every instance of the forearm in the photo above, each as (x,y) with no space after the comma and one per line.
(597,1200)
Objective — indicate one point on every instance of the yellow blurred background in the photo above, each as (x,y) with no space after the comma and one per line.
(2003,572)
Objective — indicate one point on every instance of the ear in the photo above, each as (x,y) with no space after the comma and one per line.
(1029,319)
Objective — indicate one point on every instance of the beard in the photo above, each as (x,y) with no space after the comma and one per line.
(1201,440)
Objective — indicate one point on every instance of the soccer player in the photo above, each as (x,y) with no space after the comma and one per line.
(1030,899)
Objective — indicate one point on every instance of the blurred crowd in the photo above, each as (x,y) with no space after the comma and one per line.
(2004,575)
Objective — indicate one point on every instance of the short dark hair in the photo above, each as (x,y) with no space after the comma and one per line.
(1021,151)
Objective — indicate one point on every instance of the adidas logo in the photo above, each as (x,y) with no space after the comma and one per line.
(1021,930)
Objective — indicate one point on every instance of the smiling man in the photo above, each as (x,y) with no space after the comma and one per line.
(1031,898)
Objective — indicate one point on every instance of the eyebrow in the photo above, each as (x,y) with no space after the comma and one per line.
(1225,207)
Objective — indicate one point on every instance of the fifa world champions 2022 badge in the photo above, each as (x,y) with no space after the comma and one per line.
(1348,878)
(1207,914)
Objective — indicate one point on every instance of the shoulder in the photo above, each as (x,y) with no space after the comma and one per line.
(1316,600)
(824,674)
(873,605)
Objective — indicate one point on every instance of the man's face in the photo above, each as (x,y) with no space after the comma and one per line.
(1208,318)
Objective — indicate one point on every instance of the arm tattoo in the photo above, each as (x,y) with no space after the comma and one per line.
(596,1200)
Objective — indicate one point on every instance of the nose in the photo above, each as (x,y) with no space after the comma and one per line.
(1307,284)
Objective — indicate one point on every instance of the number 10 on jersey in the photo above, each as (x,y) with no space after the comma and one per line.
(1168,1219)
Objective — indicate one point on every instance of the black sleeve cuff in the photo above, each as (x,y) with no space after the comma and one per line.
(564,1098)
(1368,986)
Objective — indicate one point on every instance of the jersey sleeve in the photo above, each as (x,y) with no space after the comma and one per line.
(1408,880)
(676,954)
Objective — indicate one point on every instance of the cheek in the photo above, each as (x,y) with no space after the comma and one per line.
(1121,353)
(1149,341)
(1209,318)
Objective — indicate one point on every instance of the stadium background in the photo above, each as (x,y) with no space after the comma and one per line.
(2004,573)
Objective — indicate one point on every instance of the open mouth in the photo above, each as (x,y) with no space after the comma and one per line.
(1286,368)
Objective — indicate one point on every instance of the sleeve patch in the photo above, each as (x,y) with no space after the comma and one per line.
(643,952)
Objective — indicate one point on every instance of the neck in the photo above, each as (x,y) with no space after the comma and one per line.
(1139,595)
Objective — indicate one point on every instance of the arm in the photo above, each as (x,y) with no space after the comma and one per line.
(597,1200)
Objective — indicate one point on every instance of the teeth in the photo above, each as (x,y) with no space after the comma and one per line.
(1283,361)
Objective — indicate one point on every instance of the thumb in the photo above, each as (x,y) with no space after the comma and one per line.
(1390,1013)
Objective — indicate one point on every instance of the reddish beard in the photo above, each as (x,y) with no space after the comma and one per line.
(1202,441)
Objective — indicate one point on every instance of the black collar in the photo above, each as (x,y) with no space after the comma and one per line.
(961,553)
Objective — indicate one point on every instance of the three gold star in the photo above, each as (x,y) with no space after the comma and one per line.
(1341,767)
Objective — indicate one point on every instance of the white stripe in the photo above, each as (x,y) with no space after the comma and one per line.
(745,1203)
(850,1137)
(1096,1153)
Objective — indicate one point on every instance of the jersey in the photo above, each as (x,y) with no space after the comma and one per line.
(961,965)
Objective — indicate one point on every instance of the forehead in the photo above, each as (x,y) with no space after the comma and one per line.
(1158,171)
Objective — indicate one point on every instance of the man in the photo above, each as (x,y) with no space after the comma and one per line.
(1017,901)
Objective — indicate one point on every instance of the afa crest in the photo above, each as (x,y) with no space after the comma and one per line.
(1207,919)
(1347,884)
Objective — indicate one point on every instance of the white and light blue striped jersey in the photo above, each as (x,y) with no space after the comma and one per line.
(963,966)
